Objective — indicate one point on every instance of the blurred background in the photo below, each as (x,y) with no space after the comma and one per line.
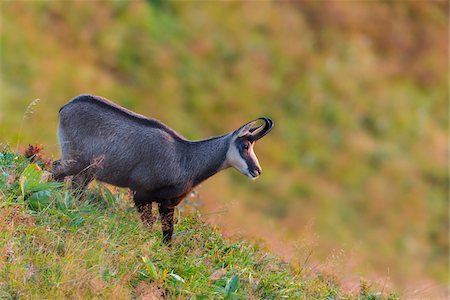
(355,172)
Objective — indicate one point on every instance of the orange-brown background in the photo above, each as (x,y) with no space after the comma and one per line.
(355,171)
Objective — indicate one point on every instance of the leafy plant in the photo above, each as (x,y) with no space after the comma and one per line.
(35,191)
(231,287)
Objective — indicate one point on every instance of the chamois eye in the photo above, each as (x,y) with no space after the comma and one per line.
(244,146)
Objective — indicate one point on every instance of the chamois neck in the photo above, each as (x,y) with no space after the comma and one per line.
(205,158)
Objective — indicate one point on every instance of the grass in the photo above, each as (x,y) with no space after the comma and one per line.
(361,113)
(54,246)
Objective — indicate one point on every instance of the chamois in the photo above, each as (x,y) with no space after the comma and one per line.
(104,141)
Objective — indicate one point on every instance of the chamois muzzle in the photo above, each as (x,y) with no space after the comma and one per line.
(261,130)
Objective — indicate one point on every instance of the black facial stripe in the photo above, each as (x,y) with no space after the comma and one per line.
(245,154)
(250,163)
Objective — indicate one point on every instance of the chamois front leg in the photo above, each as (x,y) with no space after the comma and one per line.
(166,214)
(146,214)
(144,207)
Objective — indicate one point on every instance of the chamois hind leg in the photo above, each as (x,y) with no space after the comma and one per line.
(82,173)
(80,182)
(82,176)
(62,168)
(57,173)
(144,207)
(166,214)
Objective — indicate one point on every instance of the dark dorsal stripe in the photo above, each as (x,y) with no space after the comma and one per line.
(104,103)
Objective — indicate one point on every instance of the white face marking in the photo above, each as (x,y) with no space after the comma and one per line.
(235,160)
(254,159)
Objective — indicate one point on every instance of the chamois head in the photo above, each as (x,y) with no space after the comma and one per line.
(240,154)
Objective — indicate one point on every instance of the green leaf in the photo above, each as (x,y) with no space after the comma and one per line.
(152,270)
(30,179)
(232,286)
(176,277)
(110,198)
(77,221)
(39,200)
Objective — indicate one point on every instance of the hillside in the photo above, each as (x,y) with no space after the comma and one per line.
(53,246)
(356,166)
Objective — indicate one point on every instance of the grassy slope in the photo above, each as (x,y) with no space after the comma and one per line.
(53,246)
(358,92)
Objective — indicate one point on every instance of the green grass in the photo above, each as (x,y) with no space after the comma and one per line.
(360,142)
(54,246)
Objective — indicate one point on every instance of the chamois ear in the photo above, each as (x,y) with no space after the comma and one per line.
(253,132)
(244,129)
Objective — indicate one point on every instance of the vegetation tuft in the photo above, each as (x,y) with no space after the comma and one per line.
(54,246)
